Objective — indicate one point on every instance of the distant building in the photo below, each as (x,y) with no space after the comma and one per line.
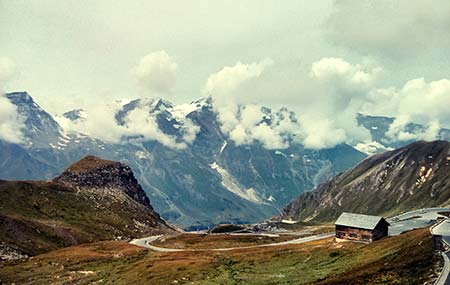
(359,227)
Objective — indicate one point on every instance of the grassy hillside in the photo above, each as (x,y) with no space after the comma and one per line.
(37,217)
(405,259)
(412,177)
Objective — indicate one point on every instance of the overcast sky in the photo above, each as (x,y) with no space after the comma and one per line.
(318,57)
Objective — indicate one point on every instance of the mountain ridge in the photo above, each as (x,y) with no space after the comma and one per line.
(210,180)
(411,177)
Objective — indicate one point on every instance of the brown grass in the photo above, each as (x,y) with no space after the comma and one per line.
(406,259)
(90,162)
(211,241)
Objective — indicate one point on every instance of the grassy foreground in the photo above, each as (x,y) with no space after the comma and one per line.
(406,259)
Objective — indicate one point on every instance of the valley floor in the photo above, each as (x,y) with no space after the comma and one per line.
(405,259)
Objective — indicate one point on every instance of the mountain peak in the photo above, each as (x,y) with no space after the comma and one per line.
(94,174)
(19,97)
(75,115)
(90,163)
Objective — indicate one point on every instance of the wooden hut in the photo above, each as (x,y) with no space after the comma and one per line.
(360,227)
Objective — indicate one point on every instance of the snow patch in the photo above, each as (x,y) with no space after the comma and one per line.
(181,111)
(231,185)
(142,154)
(371,147)
(280,153)
(424,174)
(224,145)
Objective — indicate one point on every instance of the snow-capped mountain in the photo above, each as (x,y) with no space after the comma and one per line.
(193,173)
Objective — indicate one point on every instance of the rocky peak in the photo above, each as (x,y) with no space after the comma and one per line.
(40,127)
(95,173)
(19,97)
(75,115)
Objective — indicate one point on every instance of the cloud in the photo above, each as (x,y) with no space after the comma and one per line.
(398,130)
(417,101)
(140,125)
(156,72)
(343,76)
(397,29)
(251,128)
(240,118)
(327,116)
(321,133)
(230,78)
(339,90)
(11,123)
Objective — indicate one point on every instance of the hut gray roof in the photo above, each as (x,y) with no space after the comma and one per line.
(358,221)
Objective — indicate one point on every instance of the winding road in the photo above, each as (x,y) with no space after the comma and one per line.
(426,218)
(146,242)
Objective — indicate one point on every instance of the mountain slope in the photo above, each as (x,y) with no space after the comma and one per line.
(101,201)
(412,177)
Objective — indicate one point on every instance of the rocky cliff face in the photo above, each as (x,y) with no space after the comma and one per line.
(93,173)
(411,177)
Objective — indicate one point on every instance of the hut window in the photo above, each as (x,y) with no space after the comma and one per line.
(353,235)
(365,237)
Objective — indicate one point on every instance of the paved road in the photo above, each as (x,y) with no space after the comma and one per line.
(426,218)
(146,242)
(414,220)
(443,229)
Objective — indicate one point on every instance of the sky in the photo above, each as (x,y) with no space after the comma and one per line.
(326,60)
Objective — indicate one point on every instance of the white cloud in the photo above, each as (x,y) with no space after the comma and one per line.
(339,90)
(269,137)
(326,118)
(343,76)
(398,130)
(11,123)
(228,80)
(250,128)
(157,72)
(240,118)
(320,133)
(140,124)
(417,101)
